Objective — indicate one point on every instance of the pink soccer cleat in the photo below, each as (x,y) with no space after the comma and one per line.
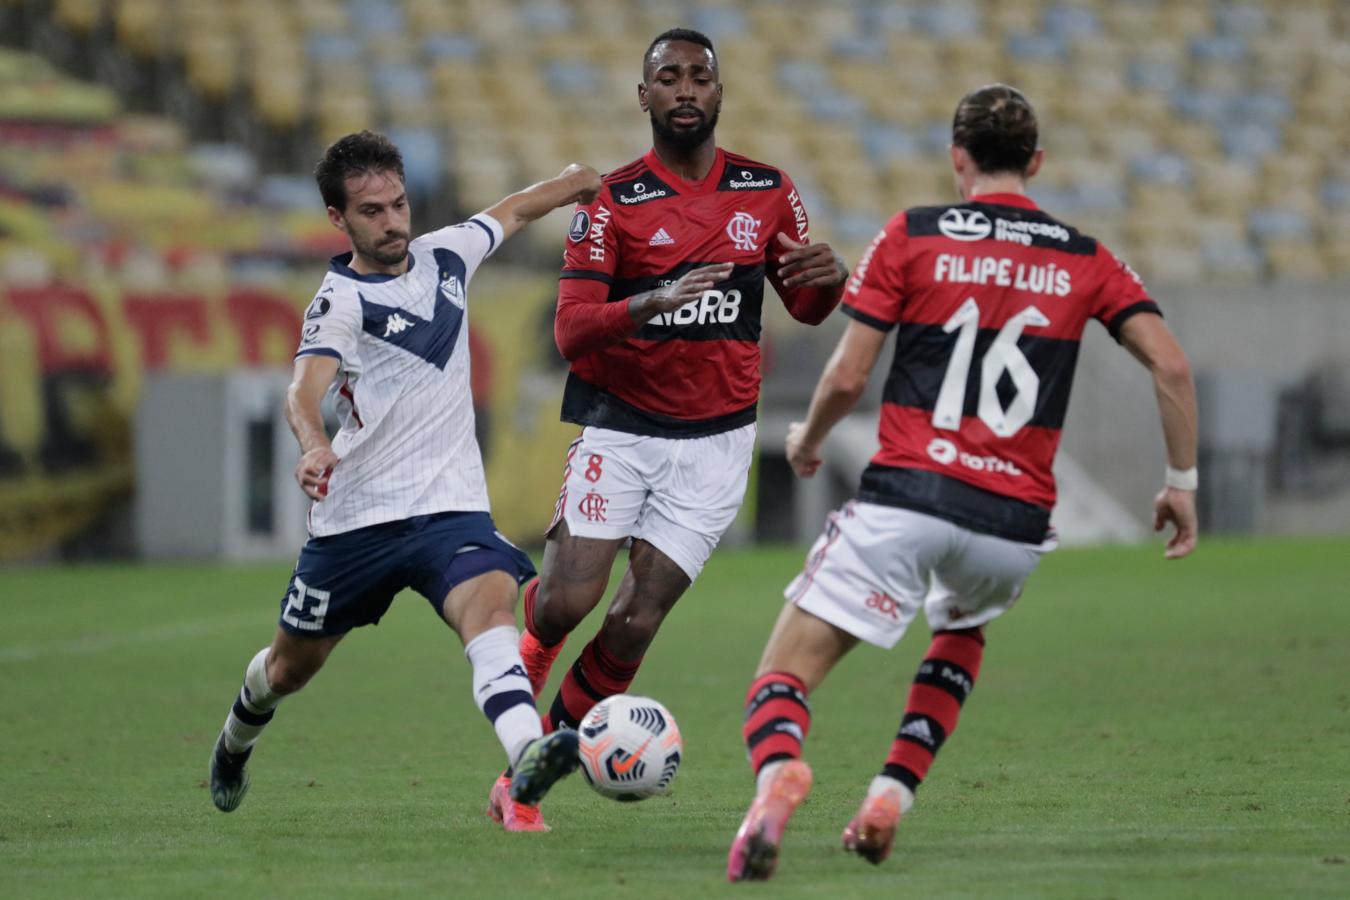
(872,831)
(754,852)
(511,815)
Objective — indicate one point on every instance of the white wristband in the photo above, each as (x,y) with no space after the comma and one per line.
(1182,479)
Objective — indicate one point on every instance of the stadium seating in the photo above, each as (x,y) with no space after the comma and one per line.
(85,181)
(1198,138)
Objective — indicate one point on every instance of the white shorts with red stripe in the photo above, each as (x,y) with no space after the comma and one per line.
(875,566)
(679,495)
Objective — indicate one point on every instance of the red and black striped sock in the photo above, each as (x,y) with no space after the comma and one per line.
(596,674)
(944,680)
(777,719)
(531,592)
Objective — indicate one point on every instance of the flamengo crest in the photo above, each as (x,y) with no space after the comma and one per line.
(743,229)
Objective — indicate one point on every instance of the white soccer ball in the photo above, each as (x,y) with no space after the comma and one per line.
(630,747)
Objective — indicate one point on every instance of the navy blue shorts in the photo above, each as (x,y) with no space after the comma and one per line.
(347,580)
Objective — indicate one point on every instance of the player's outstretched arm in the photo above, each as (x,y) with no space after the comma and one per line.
(841,384)
(575,184)
(309,382)
(1153,344)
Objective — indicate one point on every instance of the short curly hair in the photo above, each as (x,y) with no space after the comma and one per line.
(353,154)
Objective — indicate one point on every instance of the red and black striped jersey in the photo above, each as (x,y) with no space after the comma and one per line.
(694,371)
(989,299)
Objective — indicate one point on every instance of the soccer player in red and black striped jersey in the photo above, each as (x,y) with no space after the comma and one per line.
(988,298)
(659,314)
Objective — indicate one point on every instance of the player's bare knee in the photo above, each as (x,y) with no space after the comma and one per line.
(567,605)
(629,631)
(286,676)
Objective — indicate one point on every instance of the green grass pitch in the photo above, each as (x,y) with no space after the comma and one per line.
(1140,729)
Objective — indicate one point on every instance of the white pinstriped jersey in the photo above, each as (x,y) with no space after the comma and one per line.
(407,444)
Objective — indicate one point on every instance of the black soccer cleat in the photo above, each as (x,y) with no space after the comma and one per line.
(542,764)
(229,778)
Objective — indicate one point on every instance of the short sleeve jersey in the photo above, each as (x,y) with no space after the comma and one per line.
(406,441)
(694,371)
(989,300)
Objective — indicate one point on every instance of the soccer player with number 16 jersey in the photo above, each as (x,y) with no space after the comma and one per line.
(988,298)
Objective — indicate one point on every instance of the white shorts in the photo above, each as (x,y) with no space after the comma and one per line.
(875,565)
(679,495)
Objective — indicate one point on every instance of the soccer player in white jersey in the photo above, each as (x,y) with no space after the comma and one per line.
(399,494)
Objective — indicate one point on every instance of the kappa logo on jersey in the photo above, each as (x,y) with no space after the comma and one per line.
(311,334)
(743,229)
(396,324)
(320,307)
(660,239)
(581,225)
(965,224)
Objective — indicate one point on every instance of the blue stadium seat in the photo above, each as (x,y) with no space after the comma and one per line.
(1250,141)
(722,21)
(325,48)
(884,141)
(546,16)
(1036,48)
(1273,223)
(1225,48)
(451,46)
(573,76)
(423,158)
(376,17)
(1071,22)
(1240,18)
(1162,168)
(401,81)
(955,18)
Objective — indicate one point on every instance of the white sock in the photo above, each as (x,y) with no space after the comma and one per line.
(253,707)
(502,689)
(883,784)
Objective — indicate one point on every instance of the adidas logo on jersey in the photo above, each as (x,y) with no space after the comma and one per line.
(396,324)
(660,238)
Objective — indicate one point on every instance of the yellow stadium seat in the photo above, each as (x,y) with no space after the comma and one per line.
(1295,261)
(80,16)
